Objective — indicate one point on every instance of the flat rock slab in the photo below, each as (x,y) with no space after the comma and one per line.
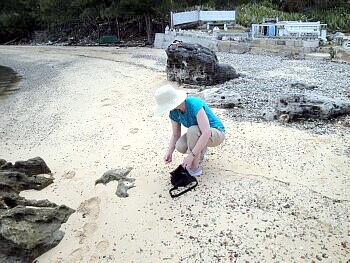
(223,98)
(310,106)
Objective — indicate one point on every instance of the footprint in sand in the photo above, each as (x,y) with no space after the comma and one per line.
(97,259)
(76,256)
(89,209)
(68,174)
(134,130)
(87,230)
(102,246)
(94,259)
(126,147)
(100,249)
(107,102)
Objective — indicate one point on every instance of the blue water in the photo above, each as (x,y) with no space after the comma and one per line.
(8,80)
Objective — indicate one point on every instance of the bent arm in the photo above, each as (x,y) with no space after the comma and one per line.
(176,128)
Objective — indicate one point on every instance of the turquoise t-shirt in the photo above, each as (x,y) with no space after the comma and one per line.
(188,118)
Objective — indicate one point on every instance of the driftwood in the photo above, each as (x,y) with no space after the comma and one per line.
(120,175)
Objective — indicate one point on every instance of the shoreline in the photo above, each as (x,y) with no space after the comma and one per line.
(9,79)
(266,192)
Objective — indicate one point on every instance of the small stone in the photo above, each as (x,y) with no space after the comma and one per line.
(286,205)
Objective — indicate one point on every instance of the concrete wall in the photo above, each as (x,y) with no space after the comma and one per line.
(341,54)
(199,15)
(269,44)
(285,44)
(162,41)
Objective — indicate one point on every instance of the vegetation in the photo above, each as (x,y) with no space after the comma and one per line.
(337,17)
(141,18)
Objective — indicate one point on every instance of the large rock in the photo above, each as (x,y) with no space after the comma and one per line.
(310,106)
(26,233)
(30,167)
(196,65)
(221,98)
(20,181)
(28,228)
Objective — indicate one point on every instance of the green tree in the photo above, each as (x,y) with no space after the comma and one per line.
(148,9)
(18,18)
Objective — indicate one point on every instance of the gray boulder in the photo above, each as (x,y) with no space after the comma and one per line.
(28,228)
(21,181)
(26,233)
(310,106)
(221,98)
(30,167)
(196,65)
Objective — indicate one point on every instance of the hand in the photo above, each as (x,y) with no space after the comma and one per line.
(168,158)
(187,163)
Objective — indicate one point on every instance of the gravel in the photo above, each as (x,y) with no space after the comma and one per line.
(264,78)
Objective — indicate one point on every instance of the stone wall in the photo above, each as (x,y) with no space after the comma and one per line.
(269,44)
(162,40)
(341,54)
(286,44)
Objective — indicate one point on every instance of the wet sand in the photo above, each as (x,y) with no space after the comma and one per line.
(8,80)
(270,193)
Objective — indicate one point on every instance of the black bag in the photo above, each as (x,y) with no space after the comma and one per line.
(181,178)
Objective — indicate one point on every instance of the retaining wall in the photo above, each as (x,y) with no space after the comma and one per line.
(164,40)
(265,44)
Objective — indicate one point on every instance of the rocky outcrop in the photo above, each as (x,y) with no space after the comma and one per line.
(120,175)
(28,228)
(196,65)
(30,167)
(310,106)
(221,98)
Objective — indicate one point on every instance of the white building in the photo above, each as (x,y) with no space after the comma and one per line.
(290,29)
(202,16)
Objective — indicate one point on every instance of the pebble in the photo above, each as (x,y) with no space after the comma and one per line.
(318,257)
(265,78)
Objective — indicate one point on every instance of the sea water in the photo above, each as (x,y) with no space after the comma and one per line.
(8,80)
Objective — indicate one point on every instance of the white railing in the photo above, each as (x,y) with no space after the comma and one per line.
(198,15)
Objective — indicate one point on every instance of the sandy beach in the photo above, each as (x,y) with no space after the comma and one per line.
(270,193)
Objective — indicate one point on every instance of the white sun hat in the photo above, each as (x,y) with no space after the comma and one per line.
(167,99)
